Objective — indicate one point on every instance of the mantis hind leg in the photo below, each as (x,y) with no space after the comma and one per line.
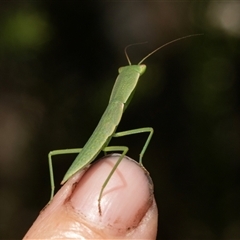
(124,152)
(53,153)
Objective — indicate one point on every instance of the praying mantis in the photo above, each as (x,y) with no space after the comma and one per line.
(121,95)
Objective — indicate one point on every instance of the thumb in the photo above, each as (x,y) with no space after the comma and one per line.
(128,206)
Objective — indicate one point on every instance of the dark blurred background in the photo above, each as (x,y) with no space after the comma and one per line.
(58,63)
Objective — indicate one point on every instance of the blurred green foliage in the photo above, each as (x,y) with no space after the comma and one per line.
(23,29)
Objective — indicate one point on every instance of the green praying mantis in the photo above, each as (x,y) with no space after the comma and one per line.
(122,93)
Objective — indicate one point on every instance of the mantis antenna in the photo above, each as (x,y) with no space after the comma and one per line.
(151,53)
(125,50)
(164,45)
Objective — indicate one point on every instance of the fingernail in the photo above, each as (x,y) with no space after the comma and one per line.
(125,200)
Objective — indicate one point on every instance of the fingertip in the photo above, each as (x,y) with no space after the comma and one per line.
(126,198)
(128,205)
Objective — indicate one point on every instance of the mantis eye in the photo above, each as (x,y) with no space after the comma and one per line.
(120,69)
